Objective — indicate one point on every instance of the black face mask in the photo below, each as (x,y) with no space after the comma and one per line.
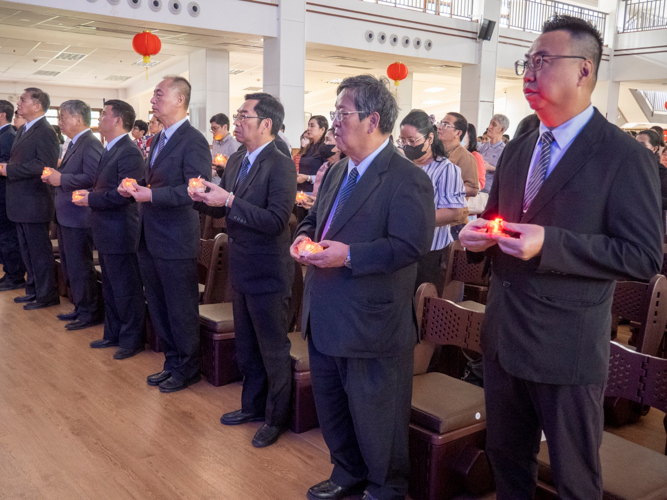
(326,150)
(414,152)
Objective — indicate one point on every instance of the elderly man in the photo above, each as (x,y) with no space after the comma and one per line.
(170,233)
(545,336)
(257,193)
(493,148)
(374,216)
(78,170)
(30,201)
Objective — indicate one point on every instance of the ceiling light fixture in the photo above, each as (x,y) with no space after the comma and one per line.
(433,90)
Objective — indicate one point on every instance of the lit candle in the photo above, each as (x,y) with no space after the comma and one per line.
(221,159)
(47,171)
(127,184)
(300,197)
(308,246)
(196,185)
(496,227)
(76,196)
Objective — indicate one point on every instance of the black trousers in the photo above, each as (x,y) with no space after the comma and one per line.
(76,260)
(572,419)
(363,405)
(263,352)
(172,294)
(37,253)
(429,270)
(124,305)
(10,251)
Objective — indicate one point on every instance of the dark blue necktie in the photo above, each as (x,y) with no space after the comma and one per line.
(346,191)
(244,171)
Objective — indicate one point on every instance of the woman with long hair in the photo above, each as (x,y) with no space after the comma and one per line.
(420,143)
(305,142)
(332,155)
(311,160)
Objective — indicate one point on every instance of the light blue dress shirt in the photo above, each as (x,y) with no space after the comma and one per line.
(167,135)
(253,156)
(31,123)
(113,142)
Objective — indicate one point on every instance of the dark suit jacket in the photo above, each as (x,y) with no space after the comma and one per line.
(79,171)
(170,225)
(388,221)
(29,199)
(7,136)
(258,222)
(114,218)
(548,319)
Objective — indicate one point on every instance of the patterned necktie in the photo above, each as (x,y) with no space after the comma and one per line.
(69,148)
(160,145)
(346,191)
(244,171)
(539,173)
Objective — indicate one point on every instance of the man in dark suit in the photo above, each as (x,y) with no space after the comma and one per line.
(583,198)
(10,252)
(374,216)
(257,193)
(115,227)
(170,233)
(78,170)
(30,201)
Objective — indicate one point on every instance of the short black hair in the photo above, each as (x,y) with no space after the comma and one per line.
(141,125)
(527,124)
(221,119)
(461,124)
(588,37)
(268,107)
(472,138)
(40,96)
(124,111)
(7,108)
(661,133)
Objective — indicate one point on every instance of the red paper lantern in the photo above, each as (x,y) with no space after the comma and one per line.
(147,44)
(397,72)
(665,104)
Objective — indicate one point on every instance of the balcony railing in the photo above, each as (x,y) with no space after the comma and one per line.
(530,15)
(655,100)
(644,15)
(461,9)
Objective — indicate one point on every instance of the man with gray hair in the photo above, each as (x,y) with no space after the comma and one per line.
(374,216)
(78,170)
(492,149)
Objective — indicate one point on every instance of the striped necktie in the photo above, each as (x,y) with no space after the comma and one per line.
(244,171)
(539,173)
(346,191)
(160,145)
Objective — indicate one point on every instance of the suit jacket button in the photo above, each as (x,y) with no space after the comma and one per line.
(230,240)
(507,284)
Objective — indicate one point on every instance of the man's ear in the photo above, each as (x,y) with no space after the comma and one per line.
(374,122)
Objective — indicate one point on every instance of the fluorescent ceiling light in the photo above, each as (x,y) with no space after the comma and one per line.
(433,101)
(335,80)
(435,89)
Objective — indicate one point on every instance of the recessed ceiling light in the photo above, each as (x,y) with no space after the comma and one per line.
(433,101)
(335,80)
(435,89)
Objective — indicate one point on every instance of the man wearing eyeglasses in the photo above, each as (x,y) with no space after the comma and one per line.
(256,195)
(583,199)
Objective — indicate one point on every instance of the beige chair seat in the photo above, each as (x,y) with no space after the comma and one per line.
(442,403)
(475,306)
(629,471)
(299,352)
(218,318)
(56,249)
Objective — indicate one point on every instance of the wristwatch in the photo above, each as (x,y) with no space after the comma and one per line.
(348,262)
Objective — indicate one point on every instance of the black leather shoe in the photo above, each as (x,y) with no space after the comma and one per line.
(123,353)
(102,343)
(267,435)
(25,298)
(8,285)
(80,325)
(238,417)
(173,385)
(41,305)
(157,378)
(69,316)
(328,490)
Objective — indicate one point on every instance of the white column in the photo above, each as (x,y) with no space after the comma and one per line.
(209,77)
(404,99)
(613,93)
(478,81)
(284,71)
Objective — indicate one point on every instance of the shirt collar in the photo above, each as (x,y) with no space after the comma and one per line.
(114,141)
(253,156)
(76,137)
(365,163)
(5,125)
(170,131)
(565,133)
(32,122)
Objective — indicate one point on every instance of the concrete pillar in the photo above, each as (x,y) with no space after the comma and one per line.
(613,92)
(284,71)
(478,81)
(209,77)
(404,98)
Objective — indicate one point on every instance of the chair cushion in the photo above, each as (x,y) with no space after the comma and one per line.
(218,318)
(443,404)
(629,471)
(475,306)
(299,352)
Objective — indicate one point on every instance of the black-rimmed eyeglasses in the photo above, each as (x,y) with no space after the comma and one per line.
(534,64)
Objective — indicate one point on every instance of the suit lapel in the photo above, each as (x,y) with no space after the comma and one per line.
(583,147)
(110,155)
(78,144)
(327,199)
(255,168)
(231,173)
(515,180)
(175,138)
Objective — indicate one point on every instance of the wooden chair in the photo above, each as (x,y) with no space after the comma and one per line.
(211,227)
(645,305)
(463,280)
(212,267)
(629,471)
(448,418)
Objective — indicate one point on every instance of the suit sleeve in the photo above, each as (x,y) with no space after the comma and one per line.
(196,163)
(632,244)
(46,155)
(280,200)
(411,223)
(130,164)
(663,184)
(85,179)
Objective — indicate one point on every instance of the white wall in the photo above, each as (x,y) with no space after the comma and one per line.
(641,56)
(11,91)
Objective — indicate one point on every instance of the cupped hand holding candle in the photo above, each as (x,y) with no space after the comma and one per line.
(46,172)
(300,197)
(496,227)
(220,160)
(308,247)
(128,184)
(196,185)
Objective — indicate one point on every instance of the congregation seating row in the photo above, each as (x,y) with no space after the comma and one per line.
(448,418)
